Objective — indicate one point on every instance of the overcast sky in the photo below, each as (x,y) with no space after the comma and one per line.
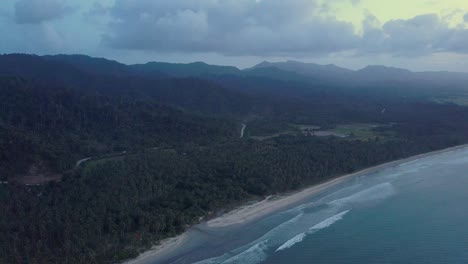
(414,34)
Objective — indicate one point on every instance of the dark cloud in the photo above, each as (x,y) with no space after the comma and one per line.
(420,35)
(270,28)
(238,27)
(37,11)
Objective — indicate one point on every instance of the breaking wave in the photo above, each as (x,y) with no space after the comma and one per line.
(324,224)
(377,192)
(291,242)
(303,222)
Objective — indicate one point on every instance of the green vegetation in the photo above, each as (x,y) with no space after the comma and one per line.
(274,135)
(356,131)
(167,152)
(364,132)
(308,127)
(114,208)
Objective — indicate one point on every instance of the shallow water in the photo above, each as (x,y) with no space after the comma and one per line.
(410,213)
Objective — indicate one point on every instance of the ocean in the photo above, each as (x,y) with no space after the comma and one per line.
(414,212)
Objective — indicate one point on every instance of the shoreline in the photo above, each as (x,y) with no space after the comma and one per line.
(164,245)
(250,212)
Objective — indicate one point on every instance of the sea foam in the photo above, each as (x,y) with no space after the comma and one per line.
(255,251)
(324,224)
(329,221)
(377,192)
(254,254)
(291,242)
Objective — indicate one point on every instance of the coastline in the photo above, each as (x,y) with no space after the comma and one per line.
(163,246)
(251,212)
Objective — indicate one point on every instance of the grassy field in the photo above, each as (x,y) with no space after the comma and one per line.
(274,135)
(358,131)
(305,127)
(355,131)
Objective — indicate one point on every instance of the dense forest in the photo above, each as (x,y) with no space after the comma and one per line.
(59,126)
(165,151)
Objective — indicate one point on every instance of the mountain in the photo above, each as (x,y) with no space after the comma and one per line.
(93,65)
(33,114)
(220,90)
(46,71)
(308,69)
(185,70)
(78,72)
(330,74)
(94,73)
(275,73)
(378,72)
(288,71)
(371,72)
(162,152)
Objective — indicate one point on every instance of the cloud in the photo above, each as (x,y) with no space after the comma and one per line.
(38,38)
(37,11)
(466,17)
(271,28)
(236,27)
(421,35)
(97,10)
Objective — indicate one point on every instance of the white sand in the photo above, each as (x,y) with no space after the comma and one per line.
(268,206)
(164,246)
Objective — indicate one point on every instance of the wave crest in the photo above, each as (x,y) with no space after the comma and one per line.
(324,224)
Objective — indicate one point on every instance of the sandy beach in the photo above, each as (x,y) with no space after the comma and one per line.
(270,205)
(254,211)
(164,246)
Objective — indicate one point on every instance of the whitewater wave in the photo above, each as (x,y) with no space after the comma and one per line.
(253,252)
(259,250)
(329,221)
(326,199)
(340,193)
(300,208)
(377,192)
(324,224)
(291,242)
(295,229)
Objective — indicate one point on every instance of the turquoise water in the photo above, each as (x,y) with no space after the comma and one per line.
(410,213)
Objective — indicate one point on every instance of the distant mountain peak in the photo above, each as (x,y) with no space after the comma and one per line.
(381,68)
(263,64)
(296,62)
(306,68)
(192,69)
(200,63)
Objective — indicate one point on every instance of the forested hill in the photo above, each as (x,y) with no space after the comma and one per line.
(193,94)
(375,80)
(101,66)
(56,126)
(161,147)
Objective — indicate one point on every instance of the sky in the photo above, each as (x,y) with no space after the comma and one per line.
(414,34)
